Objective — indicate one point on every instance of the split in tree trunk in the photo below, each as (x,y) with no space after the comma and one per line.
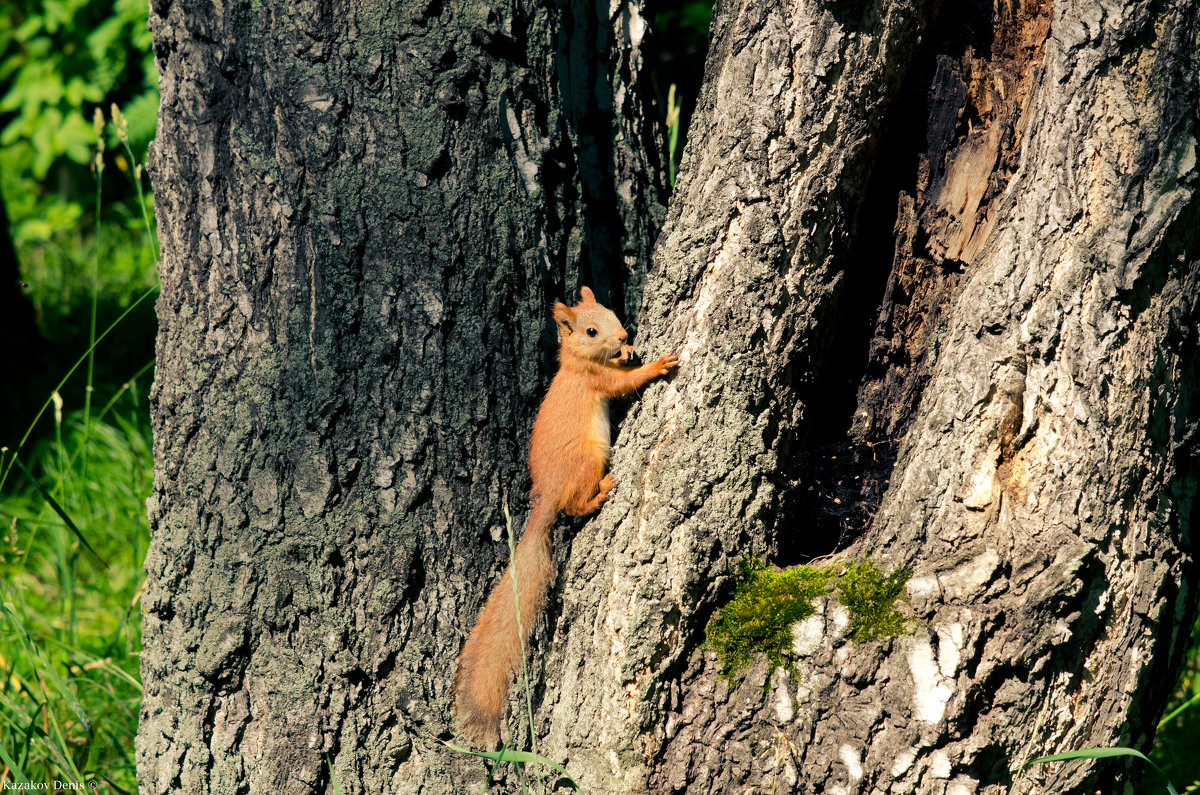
(986,310)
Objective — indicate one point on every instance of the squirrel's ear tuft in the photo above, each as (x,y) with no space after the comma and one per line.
(563,315)
(587,294)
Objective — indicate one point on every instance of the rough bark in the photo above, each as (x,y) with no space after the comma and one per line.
(365,210)
(750,273)
(1039,357)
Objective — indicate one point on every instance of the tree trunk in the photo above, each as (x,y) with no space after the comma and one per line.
(365,214)
(23,351)
(749,277)
(1036,351)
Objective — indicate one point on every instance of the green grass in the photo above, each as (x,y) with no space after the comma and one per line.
(1178,739)
(73,527)
(70,629)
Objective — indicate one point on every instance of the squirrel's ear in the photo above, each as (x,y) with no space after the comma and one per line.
(563,316)
(587,294)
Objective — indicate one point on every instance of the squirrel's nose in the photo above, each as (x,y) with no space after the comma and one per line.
(624,336)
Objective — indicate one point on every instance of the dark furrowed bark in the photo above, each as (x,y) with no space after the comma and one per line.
(366,210)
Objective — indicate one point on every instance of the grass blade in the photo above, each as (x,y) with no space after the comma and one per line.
(14,768)
(58,510)
(337,790)
(1173,713)
(1101,753)
(512,556)
(516,756)
(74,367)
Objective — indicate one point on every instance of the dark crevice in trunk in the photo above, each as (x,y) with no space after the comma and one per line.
(842,473)
(603,235)
(949,127)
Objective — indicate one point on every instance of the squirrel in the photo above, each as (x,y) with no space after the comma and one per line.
(568,454)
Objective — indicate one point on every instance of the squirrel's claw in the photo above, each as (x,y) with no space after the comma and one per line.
(666,364)
(626,357)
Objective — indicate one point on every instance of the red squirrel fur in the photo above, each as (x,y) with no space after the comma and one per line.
(568,454)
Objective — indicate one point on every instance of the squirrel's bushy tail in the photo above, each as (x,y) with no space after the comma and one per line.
(493,652)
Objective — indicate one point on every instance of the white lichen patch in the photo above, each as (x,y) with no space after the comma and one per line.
(968,581)
(785,707)
(839,619)
(852,760)
(317,98)
(981,484)
(903,762)
(922,587)
(931,690)
(939,764)
(636,24)
(525,164)
(804,690)
(807,635)
(962,785)
(950,643)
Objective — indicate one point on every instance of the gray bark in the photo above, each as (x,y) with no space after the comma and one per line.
(365,215)
(365,212)
(749,274)
(1044,492)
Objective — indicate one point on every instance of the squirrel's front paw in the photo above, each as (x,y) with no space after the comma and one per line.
(626,358)
(666,364)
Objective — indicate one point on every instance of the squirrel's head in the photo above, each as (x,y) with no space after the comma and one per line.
(588,329)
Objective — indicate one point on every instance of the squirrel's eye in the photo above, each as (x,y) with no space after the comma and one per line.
(591,332)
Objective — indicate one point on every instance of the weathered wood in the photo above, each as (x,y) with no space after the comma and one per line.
(1044,494)
(365,210)
(751,268)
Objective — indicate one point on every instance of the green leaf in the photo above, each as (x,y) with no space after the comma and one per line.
(105,36)
(35,229)
(75,138)
(29,27)
(142,113)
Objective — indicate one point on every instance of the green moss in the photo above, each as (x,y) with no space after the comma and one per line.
(759,618)
(870,596)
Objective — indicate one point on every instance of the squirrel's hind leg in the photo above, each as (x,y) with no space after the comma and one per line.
(582,506)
